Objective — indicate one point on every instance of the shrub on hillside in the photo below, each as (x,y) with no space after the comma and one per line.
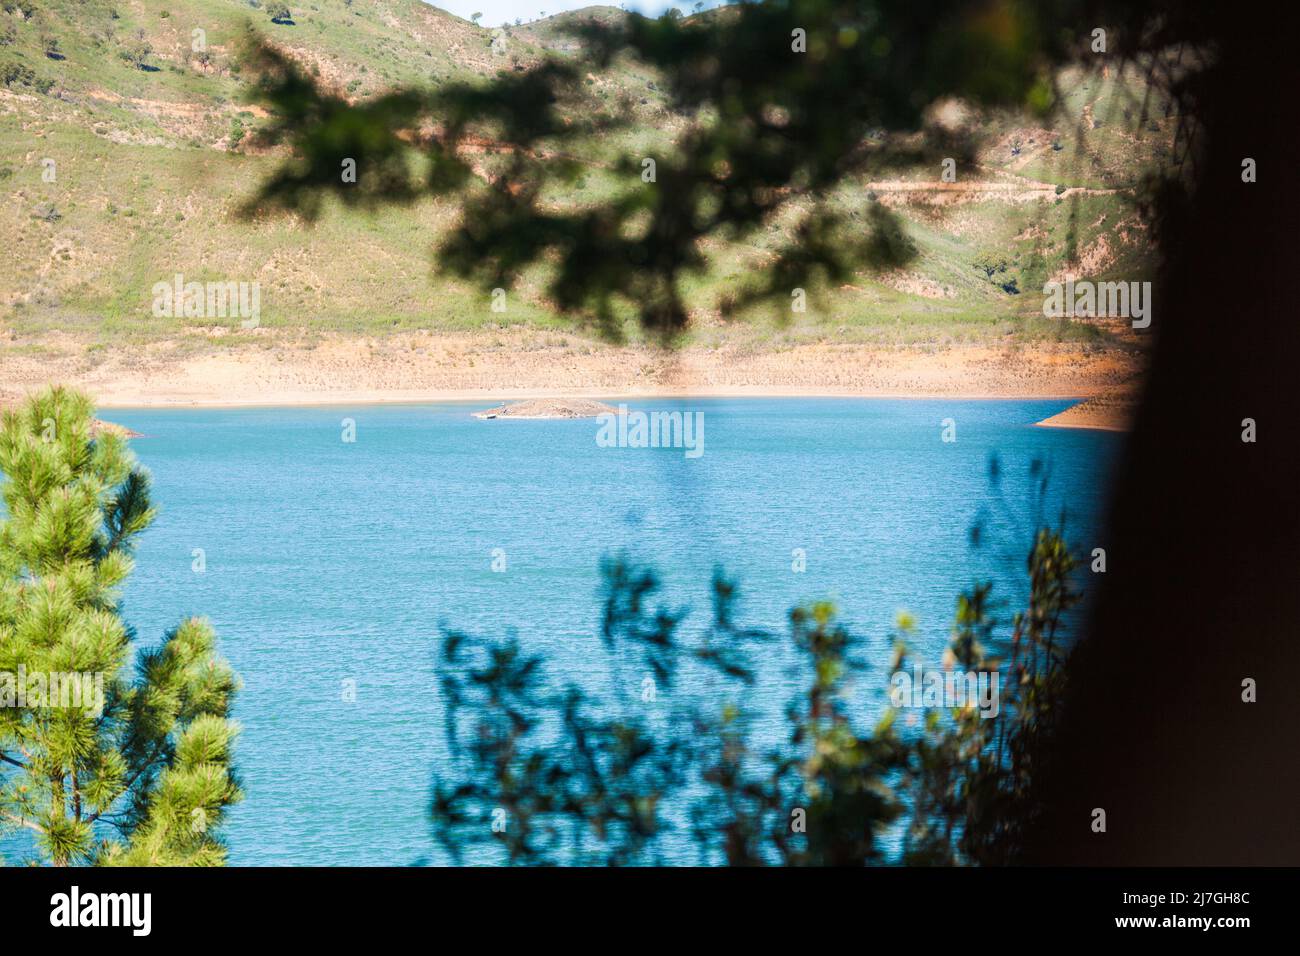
(137,53)
(25,8)
(13,73)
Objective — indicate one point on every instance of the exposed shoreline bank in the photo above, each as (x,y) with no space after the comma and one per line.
(1076,416)
(467,396)
(1049,423)
(520,365)
(1112,410)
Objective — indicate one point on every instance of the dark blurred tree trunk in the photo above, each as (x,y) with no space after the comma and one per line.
(1203,547)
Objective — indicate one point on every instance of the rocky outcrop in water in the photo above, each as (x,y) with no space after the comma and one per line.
(549,408)
(100,427)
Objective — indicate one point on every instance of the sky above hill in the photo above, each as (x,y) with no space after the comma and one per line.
(497,12)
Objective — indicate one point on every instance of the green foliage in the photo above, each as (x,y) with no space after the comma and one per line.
(137,52)
(15,73)
(547,775)
(143,775)
(970,780)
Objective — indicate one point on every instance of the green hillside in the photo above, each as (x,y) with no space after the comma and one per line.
(151,135)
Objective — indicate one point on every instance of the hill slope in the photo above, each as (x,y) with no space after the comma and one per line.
(125,150)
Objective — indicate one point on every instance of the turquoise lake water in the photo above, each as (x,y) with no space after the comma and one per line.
(329,561)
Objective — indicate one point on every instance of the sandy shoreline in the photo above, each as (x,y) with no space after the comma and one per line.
(1065,419)
(474,396)
(513,365)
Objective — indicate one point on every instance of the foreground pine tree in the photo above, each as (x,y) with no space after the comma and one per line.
(140,775)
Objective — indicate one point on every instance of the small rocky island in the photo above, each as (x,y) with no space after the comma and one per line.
(549,408)
(100,427)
